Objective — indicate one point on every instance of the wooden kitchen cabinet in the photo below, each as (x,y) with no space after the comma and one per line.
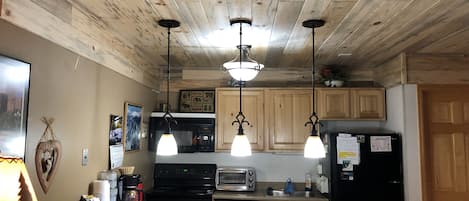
(278,115)
(368,103)
(287,110)
(351,104)
(227,107)
(333,103)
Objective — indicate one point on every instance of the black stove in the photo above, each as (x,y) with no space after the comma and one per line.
(183,181)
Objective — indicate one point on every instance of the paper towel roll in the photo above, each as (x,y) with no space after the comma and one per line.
(101,189)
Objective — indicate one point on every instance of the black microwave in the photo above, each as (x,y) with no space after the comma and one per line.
(194,132)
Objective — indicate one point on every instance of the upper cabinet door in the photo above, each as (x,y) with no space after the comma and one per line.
(368,104)
(333,103)
(287,111)
(227,107)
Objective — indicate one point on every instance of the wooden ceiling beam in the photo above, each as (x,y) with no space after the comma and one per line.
(81,33)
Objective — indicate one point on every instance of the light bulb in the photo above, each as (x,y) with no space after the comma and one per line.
(167,145)
(314,148)
(241,146)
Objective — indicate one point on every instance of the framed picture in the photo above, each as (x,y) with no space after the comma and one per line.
(115,130)
(116,146)
(133,126)
(14,92)
(197,101)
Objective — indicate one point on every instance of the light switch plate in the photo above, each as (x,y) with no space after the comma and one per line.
(84,159)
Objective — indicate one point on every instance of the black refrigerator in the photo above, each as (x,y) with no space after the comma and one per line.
(375,175)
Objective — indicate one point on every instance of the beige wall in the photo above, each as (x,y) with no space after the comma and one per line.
(81,100)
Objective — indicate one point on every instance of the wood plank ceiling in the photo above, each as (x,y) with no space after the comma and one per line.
(357,33)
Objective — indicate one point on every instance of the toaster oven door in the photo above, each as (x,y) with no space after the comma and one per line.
(233,180)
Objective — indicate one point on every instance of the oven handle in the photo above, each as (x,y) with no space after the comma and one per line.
(233,171)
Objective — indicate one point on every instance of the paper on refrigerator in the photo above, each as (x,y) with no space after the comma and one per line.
(348,150)
(380,144)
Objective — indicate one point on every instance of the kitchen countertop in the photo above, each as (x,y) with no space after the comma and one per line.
(260,194)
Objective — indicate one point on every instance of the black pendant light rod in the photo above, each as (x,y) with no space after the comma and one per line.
(313,119)
(167,115)
(240,118)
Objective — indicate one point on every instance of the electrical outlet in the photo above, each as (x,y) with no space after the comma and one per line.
(84,159)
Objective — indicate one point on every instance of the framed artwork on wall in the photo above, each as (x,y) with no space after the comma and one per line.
(133,126)
(116,148)
(197,101)
(14,93)
(115,130)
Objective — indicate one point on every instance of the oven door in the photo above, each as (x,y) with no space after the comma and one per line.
(180,197)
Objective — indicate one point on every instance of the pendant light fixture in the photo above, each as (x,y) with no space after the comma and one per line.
(167,145)
(242,67)
(241,145)
(314,148)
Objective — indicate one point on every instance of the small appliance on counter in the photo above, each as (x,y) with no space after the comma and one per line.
(130,188)
(183,182)
(236,179)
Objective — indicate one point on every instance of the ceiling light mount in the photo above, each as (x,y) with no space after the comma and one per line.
(313,23)
(241,21)
(169,23)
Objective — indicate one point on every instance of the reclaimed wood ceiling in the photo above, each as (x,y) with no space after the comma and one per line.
(357,33)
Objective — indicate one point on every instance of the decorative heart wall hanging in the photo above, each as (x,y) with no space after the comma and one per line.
(48,154)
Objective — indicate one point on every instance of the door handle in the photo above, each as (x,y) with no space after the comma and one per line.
(394,182)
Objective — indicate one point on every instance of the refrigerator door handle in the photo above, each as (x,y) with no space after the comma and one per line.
(394,182)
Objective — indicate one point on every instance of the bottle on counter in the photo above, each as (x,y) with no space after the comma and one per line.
(289,189)
(308,182)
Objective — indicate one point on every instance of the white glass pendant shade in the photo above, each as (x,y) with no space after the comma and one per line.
(244,70)
(314,148)
(243,74)
(241,146)
(167,145)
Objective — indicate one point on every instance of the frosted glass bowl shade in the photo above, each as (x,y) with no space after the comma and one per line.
(246,72)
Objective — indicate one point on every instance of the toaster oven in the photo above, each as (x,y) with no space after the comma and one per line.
(235,179)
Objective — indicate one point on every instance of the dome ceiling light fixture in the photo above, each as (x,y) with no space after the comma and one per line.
(314,148)
(167,145)
(242,67)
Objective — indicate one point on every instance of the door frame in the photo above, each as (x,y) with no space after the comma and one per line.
(421,89)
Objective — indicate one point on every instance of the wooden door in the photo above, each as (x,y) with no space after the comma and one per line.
(333,103)
(227,107)
(287,110)
(444,121)
(368,104)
